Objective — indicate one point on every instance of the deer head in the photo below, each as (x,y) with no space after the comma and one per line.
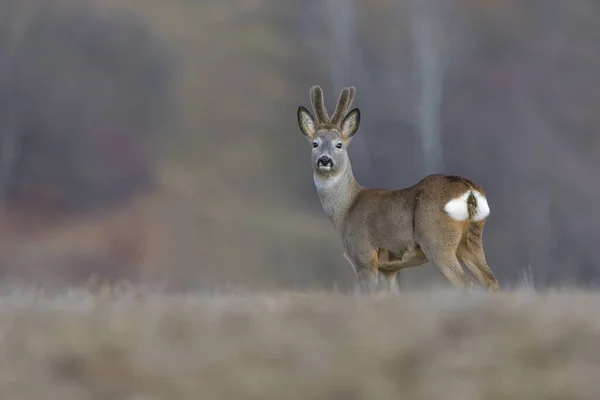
(329,137)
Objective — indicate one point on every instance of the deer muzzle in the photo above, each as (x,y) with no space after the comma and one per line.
(325,163)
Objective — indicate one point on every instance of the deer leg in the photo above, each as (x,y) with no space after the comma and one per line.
(364,261)
(390,280)
(447,263)
(449,266)
(470,253)
(350,262)
(477,264)
(367,280)
(439,238)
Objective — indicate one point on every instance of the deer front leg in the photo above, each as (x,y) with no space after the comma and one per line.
(350,262)
(368,280)
(367,277)
(390,281)
(366,271)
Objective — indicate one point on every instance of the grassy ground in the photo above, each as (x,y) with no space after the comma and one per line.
(419,345)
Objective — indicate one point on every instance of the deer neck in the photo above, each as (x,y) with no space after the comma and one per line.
(337,193)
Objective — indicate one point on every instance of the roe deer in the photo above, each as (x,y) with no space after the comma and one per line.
(439,219)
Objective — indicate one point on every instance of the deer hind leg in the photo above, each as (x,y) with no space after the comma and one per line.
(482,272)
(440,248)
(471,254)
(448,265)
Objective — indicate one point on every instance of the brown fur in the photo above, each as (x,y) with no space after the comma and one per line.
(387,230)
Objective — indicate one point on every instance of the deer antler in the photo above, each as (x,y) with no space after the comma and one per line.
(344,102)
(316,98)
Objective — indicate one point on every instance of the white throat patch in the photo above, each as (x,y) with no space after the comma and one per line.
(322,182)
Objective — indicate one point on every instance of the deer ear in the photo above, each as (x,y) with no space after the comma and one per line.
(350,123)
(306,122)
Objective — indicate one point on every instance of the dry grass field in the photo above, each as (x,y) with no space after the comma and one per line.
(436,344)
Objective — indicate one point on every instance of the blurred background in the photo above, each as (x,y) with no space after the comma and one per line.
(156,141)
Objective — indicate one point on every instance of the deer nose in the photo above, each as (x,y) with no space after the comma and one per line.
(325,160)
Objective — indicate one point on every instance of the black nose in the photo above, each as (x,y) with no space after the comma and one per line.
(325,160)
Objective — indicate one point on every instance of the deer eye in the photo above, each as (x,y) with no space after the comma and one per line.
(315,144)
(339,145)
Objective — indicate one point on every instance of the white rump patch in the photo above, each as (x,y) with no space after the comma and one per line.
(483,208)
(458,208)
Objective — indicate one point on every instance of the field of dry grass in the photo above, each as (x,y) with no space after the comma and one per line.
(438,344)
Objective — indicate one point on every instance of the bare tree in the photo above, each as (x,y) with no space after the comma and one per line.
(426,27)
(14,19)
(344,60)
